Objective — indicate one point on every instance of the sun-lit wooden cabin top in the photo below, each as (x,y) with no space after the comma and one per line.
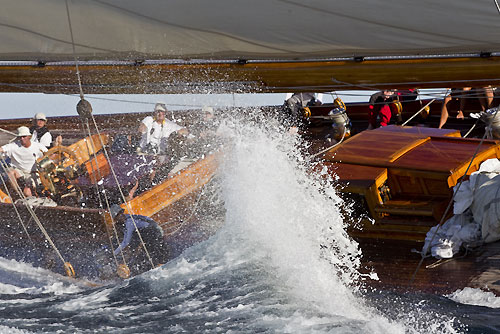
(415,149)
(406,172)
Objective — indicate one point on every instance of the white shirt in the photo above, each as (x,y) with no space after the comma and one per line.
(22,157)
(156,132)
(46,139)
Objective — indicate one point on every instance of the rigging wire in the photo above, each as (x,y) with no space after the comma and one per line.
(102,143)
(472,128)
(418,112)
(330,147)
(426,250)
(4,168)
(121,192)
(74,50)
(98,177)
(185,221)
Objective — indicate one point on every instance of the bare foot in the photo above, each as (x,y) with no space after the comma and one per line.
(460,115)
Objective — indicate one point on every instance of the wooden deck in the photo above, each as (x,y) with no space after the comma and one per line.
(403,177)
(395,264)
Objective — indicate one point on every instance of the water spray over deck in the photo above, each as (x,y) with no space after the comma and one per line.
(281,262)
(284,217)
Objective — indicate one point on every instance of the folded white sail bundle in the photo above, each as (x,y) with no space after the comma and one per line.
(476,214)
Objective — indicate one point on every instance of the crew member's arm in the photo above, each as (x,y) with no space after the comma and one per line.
(142,128)
(127,235)
(444,109)
(183,131)
(462,102)
(6,149)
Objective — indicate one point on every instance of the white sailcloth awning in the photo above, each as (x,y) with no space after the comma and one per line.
(237,29)
(258,45)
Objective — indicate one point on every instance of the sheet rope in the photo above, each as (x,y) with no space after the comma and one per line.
(67,266)
(103,146)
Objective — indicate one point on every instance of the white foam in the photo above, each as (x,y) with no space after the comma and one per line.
(286,216)
(95,300)
(11,330)
(19,277)
(478,297)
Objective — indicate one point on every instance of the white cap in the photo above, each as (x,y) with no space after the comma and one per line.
(207,109)
(23,131)
(41,116)
(160,107)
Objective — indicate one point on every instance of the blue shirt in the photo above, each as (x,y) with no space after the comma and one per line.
(140,222)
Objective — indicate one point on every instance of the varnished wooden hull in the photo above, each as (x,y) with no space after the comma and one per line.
(81,234)
(77,234)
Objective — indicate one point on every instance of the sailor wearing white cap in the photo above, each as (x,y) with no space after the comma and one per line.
(23,155)
(156,130)
(39,130)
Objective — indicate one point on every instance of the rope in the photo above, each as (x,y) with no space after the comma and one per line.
(418,112)
(74,51)
(183,222)
(424,253)
(98,194)
(329,148)
(472,128)
(100,138)
(4,167)
(37,221)
(106,199)
(8,132)
(121,192)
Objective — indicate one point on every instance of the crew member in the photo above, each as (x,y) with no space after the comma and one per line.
(156,130)
(379,110)
(151,234)
(23,154)
(40,133)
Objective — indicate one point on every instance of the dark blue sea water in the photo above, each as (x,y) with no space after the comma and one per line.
(281,263)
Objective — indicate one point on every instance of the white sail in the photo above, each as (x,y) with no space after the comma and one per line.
(236,29)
